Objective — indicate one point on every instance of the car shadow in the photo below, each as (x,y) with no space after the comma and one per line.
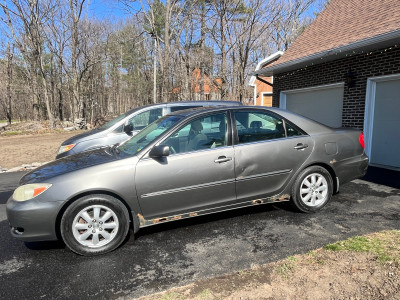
(252,210)
(46,245)
(257,209)
(383,176)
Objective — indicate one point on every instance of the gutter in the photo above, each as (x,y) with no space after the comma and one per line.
(376,42)
(263,62)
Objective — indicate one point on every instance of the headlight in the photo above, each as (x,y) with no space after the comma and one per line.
(29,191)
(65,148)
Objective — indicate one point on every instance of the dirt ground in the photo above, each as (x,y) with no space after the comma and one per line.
(26,149)
(371,271)
(326,275)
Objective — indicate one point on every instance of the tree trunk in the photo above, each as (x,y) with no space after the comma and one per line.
(202,39)
(10,54)
(46,91)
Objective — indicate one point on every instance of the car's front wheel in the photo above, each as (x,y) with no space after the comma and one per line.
(94,224)
(312,189)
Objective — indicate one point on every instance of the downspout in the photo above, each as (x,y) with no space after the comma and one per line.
(266,82)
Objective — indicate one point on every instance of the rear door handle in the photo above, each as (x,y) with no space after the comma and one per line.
(222,159)
(300,146)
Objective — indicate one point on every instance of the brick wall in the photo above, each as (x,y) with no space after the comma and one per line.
(363,66)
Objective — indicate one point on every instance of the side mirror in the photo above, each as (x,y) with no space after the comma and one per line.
(159,151)
(128,128)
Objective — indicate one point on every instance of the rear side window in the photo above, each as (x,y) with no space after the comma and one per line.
(293,130)
(258,126)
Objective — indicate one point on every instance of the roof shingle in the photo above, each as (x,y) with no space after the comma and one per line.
(342,23)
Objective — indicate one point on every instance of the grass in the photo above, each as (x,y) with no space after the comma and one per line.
(205,294)
(385,245)
(6,121)
(286,267)
(10,133)
(172,296)
(30,132)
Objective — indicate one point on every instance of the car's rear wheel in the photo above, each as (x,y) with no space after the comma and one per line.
(94,224)
(312,189)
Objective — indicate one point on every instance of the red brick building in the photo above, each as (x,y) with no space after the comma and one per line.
(212,86)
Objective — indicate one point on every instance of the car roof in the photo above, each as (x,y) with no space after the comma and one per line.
(210,102)
(308,125)
(187,103)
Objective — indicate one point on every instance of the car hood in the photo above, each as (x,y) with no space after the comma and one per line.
(75,138)
(69,164)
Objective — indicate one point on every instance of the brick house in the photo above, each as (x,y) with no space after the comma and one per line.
(212,87)
(263,85)
(344,70)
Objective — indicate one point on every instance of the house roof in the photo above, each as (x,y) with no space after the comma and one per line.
(343,27)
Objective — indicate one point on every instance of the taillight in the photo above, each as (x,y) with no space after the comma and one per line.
(361,140)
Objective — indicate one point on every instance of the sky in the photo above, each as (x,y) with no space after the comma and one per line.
(118,10)
(115,10)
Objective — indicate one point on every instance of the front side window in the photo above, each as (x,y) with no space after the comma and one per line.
(202,133)
(145,118)
(258,126)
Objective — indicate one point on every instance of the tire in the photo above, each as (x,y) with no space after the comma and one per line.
(94,225)
(312,189)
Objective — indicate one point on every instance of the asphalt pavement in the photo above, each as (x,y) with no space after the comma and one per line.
(177,253)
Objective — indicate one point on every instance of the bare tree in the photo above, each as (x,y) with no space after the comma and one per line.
(64,64)
(76,8)
(29,17)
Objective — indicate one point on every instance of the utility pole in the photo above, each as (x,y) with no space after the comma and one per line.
(10,54)
(155,72)
(120,81)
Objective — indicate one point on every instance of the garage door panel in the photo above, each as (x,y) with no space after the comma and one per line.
(322,105)
(386,125)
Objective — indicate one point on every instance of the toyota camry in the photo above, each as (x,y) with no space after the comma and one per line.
(186,164)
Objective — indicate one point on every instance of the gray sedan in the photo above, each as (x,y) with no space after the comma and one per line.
(186,164)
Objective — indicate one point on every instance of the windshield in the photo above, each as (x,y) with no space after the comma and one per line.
(148,135)
(114,121)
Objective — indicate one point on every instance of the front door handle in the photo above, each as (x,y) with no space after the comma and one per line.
(222,159)
(300,146)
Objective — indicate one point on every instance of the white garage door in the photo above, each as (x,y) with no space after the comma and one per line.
(385,146)
(322,104)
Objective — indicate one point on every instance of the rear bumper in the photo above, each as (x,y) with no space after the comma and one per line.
(352,168)
(33,220)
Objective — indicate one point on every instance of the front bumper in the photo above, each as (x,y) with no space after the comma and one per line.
(33,220)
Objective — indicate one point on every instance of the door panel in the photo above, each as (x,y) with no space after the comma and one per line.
(185,182)
(265,158)
(263,168)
